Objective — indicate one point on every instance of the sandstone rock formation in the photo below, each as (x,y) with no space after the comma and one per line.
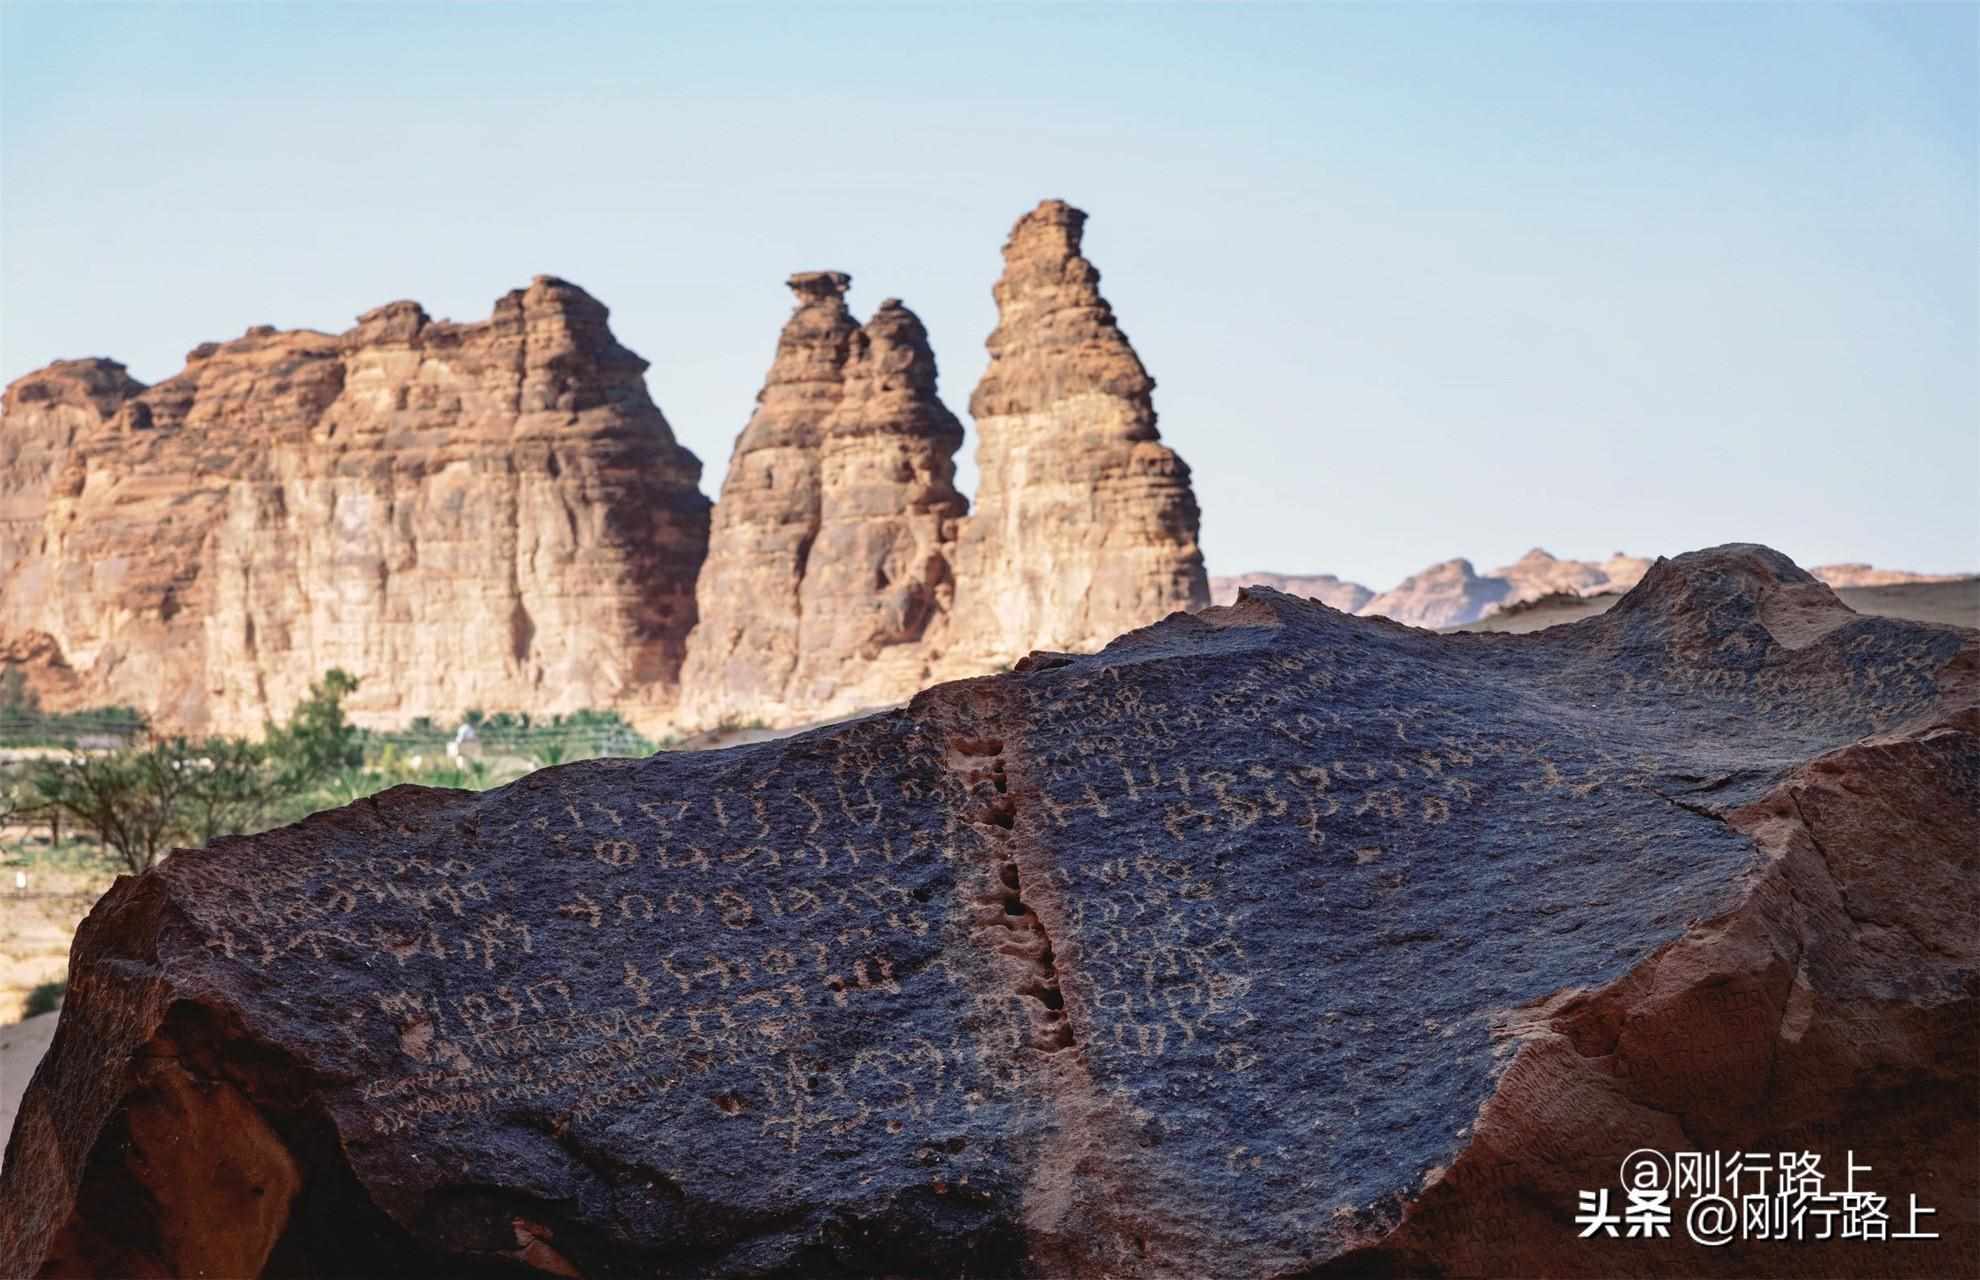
(1335,593)
(844,570)
(830,571)
(1453,593)
(490,514)
(1085,524)
(1267,942)
(877,599)
(1541,573)
(745,644)
(1444,595)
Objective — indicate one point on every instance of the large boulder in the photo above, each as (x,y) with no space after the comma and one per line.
(1266,942)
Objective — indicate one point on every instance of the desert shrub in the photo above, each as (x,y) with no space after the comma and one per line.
(145,800)
(44,998)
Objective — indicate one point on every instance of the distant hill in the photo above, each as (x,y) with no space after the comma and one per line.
(1454,594)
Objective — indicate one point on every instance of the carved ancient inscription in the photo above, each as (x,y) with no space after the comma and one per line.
(749,943)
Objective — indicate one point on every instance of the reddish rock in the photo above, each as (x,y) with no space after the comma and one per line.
(880,585)
(1266,942)
(1085,524)
(830,575)
(490,514)
(745,645)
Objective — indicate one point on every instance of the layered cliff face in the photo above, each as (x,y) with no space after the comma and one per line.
(876,602)
(490,514)
(68,592)
(1085,525)
(1265,942)
(495,515)
(830,571)
(745,644)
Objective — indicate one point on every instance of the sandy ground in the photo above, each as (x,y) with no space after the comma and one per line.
(1952,603)
(21,1046)
(36,925)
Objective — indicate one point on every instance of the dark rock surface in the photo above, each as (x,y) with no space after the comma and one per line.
(1268,941)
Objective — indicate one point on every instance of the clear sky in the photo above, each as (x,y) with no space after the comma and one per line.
(1415,281)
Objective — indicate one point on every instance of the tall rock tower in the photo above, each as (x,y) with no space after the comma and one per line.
(1085,525)
(830,577)
(881,585)
(745,642)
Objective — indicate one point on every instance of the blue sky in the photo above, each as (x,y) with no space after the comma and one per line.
(1415,281)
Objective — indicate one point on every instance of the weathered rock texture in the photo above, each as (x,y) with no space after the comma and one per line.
(1085,524)
(830,574)
(1267,942)
(745,645)
(490,514)
(844,570)
(877,599)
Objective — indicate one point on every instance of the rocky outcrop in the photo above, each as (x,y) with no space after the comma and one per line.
(1444,595)
(844,570)
(1335,593)
(1266,942)
(745,644)
(1085,524)
(496,515)
(830,574)
(878,596)
(1453,593)
(1541,573)
(490,514)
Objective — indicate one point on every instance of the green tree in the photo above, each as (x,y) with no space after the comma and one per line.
(131,799)
(317,743)
(146,800)
(232,790)
(45,998)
